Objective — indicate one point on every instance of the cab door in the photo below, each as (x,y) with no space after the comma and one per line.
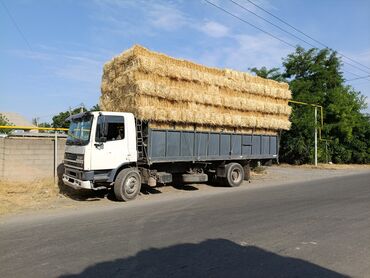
(110,148)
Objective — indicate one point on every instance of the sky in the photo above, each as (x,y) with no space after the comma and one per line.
(52,52)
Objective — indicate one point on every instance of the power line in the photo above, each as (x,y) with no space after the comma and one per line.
(355,74)
(16,25)
(303,33)
(361,83)
(277,26)
(282,29)
(254,26)
(361,77)
(270,34)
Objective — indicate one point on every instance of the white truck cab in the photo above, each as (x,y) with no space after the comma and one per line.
(97,143)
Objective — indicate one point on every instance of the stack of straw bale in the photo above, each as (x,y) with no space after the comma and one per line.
(176,93)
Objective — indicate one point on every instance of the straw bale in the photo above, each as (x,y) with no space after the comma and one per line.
(210,95)
(202,128)
(140,59)
(142,52)
(144,107)
(186,91)
(251,84)
(163,90)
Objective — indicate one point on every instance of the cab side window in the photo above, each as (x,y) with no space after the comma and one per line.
(115,127)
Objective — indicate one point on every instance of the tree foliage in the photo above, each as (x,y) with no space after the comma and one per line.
(273,73)
(315,77)
(59,120)
(96,107)
(5,122)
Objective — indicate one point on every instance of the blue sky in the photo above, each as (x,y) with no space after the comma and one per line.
(55,61)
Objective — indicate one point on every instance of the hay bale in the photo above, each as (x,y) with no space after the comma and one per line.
(169,91)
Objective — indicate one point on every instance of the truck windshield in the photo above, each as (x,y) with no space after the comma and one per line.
(79,131)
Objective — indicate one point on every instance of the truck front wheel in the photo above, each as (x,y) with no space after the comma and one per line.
(127,185)
(234,174)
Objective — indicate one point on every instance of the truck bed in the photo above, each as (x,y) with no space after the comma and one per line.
(168,145)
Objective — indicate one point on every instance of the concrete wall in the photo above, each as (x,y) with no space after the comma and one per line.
(24,158)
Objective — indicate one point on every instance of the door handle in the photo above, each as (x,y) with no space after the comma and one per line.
(99,145)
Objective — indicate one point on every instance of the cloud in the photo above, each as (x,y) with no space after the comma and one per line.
(154,15)
(80,69)
(167,17)
(246,51)
(70,65)
(30,54)
(215,29)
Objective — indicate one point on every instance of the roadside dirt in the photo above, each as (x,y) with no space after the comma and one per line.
(44,195)
(18,196)
(327,166)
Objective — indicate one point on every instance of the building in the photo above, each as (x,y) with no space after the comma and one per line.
(18,120)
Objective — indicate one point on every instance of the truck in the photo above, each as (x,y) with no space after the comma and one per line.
(115,150)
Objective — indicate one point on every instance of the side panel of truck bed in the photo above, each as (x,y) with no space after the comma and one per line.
(175,145)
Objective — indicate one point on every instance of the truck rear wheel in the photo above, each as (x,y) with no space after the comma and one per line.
(234,174)
(127,185)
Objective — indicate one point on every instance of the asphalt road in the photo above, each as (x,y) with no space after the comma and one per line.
(312,229)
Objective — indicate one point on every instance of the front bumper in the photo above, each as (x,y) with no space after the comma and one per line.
(76,183)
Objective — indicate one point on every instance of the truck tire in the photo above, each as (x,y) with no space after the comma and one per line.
(234,174)
(127,184)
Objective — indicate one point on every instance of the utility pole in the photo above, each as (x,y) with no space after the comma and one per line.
(315,135)
(321,125)
(55,157)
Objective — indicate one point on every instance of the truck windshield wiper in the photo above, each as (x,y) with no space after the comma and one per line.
(78,141)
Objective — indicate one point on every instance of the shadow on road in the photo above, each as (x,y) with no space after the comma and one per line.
(211,258)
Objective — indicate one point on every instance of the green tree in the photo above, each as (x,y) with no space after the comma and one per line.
(4,122)
(315,77)
(273,73)
(59,120)
(96,107)
(44,124)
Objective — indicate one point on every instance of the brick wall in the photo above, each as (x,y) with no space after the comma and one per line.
(23,158)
